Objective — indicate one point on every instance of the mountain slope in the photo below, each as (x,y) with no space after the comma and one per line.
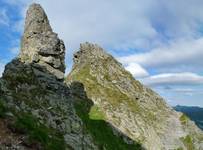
(128,106)
(194,113)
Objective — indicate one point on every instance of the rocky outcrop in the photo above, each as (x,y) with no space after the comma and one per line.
(40,44)
(130,107)
(36,107)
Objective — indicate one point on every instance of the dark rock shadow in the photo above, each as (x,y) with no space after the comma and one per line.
(17,72)
(106,135)
(23,89)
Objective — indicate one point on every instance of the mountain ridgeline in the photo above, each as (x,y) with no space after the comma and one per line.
(98,106)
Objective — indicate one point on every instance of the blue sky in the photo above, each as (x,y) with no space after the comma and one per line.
(159,41)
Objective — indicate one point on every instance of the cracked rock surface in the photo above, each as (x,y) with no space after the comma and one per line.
(40,44)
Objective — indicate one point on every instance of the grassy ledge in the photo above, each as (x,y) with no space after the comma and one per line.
(101,132)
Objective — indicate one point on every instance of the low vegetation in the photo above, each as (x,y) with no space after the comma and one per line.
(49,138)
(188,142)
(100,129)
(25,123)
(96,114)
(184,119)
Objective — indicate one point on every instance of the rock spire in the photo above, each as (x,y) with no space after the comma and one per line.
(40,44)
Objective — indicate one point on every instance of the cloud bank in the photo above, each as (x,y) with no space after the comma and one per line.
(184,52)
(174,79)
(3,17)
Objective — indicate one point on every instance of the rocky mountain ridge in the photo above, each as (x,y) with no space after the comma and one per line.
(99,105)
(132,108)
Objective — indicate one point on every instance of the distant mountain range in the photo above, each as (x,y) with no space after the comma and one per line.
(194,113)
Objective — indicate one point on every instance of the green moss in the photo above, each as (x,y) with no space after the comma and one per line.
(50,139)
(100,130)
(183,119)
(188,142)
(96,114)
(180,148)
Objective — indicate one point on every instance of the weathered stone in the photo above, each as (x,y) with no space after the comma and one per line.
(130,107)
(40,44)
(31,84)
(55,62)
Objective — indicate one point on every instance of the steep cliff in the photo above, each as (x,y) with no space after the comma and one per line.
(131,108)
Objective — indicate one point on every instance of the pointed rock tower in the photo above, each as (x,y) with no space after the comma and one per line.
(40,44)
(34,102)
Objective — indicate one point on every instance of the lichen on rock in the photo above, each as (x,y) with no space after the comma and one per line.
(40,44)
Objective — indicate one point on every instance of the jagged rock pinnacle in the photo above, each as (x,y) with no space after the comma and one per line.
(40,44)
(36,20)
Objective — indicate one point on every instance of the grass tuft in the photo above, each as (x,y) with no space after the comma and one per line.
(184,119)
(188,142)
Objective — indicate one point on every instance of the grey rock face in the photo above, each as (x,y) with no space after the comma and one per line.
(129,106)
(23,90)
(40,44)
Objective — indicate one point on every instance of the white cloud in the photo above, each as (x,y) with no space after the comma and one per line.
(2,66)
(185,78)
(137,70)
(21,7)
(184,90)
(4,19)
(184,51)
(14,50)
(113,24)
